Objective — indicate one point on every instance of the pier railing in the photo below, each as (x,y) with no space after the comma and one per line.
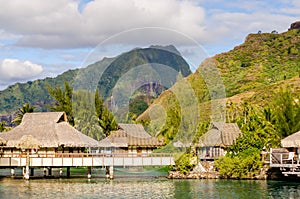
(85,159)
(287,161)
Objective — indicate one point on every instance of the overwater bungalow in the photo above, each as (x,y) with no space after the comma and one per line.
(220,136)
(44,134)
(130,139)
(288,157)
(46,140)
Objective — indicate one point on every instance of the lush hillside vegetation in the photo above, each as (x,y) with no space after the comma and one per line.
(250,74)
(33,92)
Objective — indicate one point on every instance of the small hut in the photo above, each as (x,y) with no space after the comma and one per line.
(213,144)
(130,139)
(292,144)
(292,141)
(45,134)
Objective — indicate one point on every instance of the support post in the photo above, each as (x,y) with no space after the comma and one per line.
(271,156)
(107,172)
(89,173)
(111,172)
(68,172)
(49,171)
(45,172)
(60,172)
(12,172)
(31,171)
(26,175)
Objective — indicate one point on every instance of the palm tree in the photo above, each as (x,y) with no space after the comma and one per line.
(26,108)
(63,100)
(2,126)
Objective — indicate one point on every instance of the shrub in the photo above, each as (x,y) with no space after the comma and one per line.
(183,162)
(244,165)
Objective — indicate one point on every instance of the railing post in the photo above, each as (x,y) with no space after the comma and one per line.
(281,158)
(271,156)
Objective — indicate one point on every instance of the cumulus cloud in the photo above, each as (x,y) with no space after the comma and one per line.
(59,24)
(76,24)
(16,70)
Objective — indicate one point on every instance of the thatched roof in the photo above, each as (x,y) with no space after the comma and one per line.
(220,134)
(134,130)
(28,142)
(291,141)
(112,141)
(130,135)
(50,129)
(2,141)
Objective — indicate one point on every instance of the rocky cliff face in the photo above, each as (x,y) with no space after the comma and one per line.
(295,25)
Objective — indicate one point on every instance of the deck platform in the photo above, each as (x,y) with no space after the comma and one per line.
(287,161)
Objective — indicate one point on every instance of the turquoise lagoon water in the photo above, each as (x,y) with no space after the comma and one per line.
(141,184)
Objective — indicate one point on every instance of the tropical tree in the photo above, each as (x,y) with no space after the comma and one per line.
(243,157)
(105,117)
(2,126)
(85,118)
(286,111)
(26,108)
(63,100)
(257,130)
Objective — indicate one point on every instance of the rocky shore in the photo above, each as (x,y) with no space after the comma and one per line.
(193,175)
(206,170)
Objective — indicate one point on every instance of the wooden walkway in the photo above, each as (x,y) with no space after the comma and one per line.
(86,159)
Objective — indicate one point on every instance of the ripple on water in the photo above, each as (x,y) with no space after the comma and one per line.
(145,188)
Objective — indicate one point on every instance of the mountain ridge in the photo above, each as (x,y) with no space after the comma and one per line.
(35,92)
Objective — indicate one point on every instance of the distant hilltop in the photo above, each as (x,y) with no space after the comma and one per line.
(295,25)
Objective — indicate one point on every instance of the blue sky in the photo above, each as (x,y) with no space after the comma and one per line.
(41,39)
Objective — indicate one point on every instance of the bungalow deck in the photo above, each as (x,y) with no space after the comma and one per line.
(287,161)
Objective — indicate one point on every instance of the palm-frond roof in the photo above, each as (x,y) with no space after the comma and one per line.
(49,129)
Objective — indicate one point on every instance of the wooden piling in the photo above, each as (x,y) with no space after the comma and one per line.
(111,172)
(68,172)
(31,171)
(107,172)
(89,173)
(49,171)
(12,172)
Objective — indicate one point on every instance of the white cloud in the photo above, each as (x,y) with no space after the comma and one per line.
(59,24)
(16,70)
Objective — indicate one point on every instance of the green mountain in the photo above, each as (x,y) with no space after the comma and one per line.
(148,58)
(33,92)
(250,73)
(91,77)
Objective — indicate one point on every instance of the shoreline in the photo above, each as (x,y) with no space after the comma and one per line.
(265,174)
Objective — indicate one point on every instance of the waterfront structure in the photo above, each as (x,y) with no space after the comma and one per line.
(42,135)
(131,139)
(46,140)
(45,134)
(287,158)
(214,142)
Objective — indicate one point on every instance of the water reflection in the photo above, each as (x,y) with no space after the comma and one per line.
(285,189)
(220,189)
(141,187)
